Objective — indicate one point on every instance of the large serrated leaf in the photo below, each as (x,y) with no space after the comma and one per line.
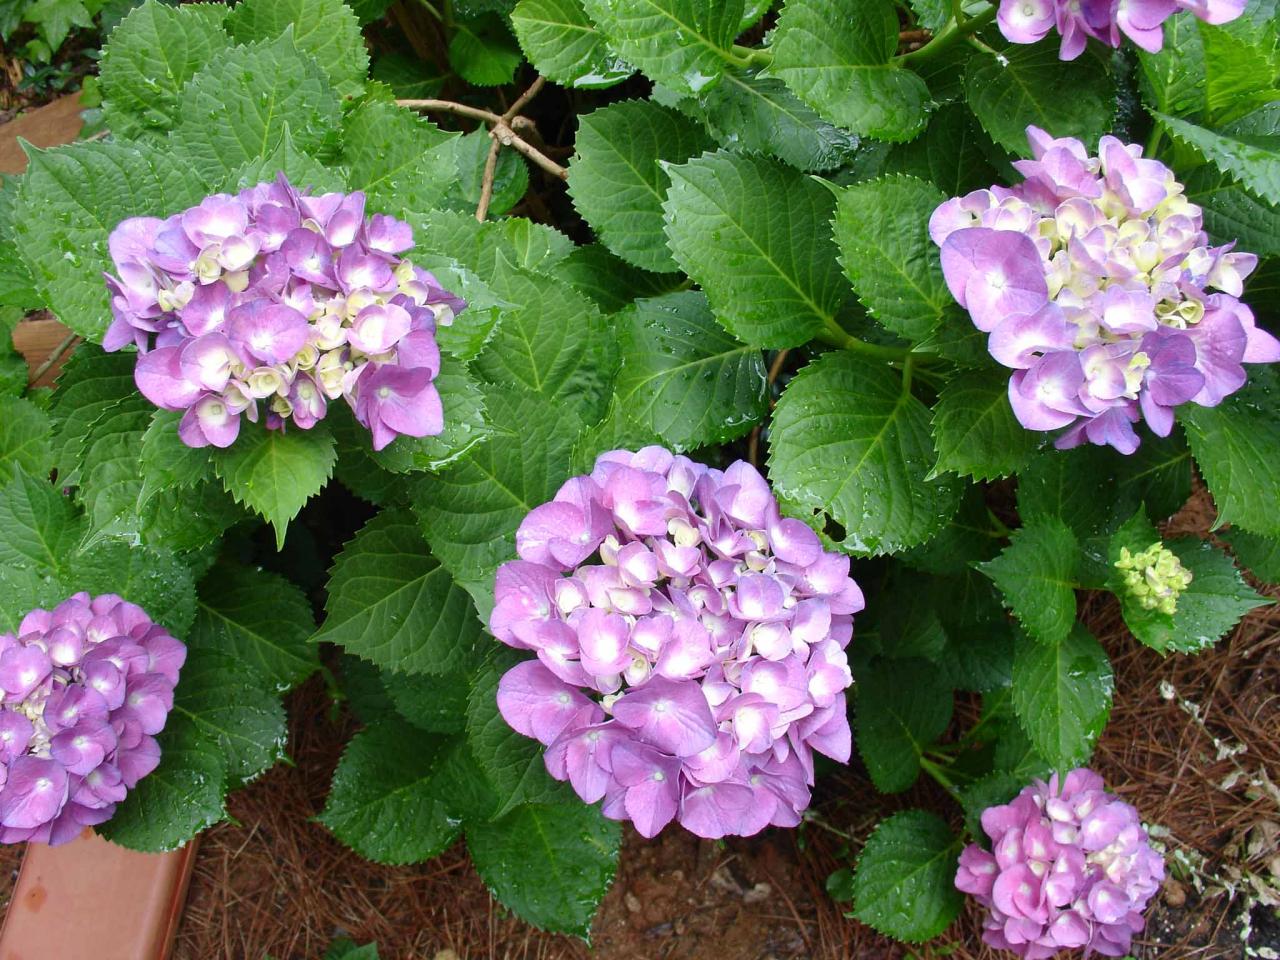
(1024,86)
(483,52)
(617,180)
(682,43)
(326,29)
(881,227)
(837,56)
(71,199)
(1036,576)
(1231,213)
(259,618)
(902,707)
(148,59)
(1247,149)
(975,430)
(1062,694)
(562,42)
(686,379)
(849,441)
(756,236)
(389,801)
(237,108)
(392,603)
(904,885)
(549,863)
(24,438)
(155,579)
(405,164)
(275,473)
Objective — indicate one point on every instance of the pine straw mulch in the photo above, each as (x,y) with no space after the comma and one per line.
(275,883)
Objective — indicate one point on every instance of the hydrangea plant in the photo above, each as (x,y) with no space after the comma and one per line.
(792,254)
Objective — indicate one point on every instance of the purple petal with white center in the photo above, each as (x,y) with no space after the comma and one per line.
(216,218)
(393,401)
(15,735)
(1020,341)
(717,810)
(602,637)
(673,716)
(994,274)
(208,422)
(652,782)
(687,654)
(160,379)
(22,669)
(271,332)
(34,792)
(581,755)
(536,703)
(378,328)
(361,271)
(387,235)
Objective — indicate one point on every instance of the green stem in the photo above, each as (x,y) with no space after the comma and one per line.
(940,775)
(956,29)
(908,367)
(1154,141)
(1001,528)
(837,337)
(751,56)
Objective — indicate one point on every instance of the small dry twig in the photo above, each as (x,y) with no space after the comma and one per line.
(486,183)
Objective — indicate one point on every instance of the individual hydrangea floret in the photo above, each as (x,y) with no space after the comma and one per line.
(279,299)
(1155,577)
(87,686)
(1092,279)
(1070,866)
(690,644)
(1142,21)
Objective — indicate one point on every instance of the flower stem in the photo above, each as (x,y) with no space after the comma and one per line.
(956,29)
(751,56)
(940,775)
(837,337)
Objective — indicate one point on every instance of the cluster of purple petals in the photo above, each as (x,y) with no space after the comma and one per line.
(278,299)
(1142,21)
(1069,868)
(86,686)
(1092,279)
(690,644)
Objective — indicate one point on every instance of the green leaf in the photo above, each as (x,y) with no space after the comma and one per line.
(756,235)
(302,169)
(882,229)
(993,790)
(226,702)
(682,43)
(904,885)
(969,536)
(1232,213)
(404,163)
(760,115)
(549,863)
(470,512)
(1242,65)
(38,525)
(512,762)
(903,706)
(1207,609)
(975,430)
(110,483)
(564,45)
(479,246)
(1248,148)
(464,428)
(258,617)
(1260,554)
(391,602)
(24,438)
(326,29)
(684,378)
(150,57)
(1173,80)
(274,473)
(407,76)
(1062,694)
(617,431)
(617,179)
(154,579)
(166,462)
(837,55)
(346,949)
(389,800)
(236,109)
(555,343)
(1036,576)
(56,18)
(70,200)
(611,283)
(847,440)
(951,154)
(483,52)
(1025,86)
(182,796)
(435,703)
(1236,446)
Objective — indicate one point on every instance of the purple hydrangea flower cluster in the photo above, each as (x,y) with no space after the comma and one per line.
(87,686)
(1142,21)
(1091,277)
(690,644)
(274,296)
(1069,868)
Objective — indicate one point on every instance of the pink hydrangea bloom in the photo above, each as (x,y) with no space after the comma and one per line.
(86,687)
(1142,21)
(690,644)
(276,299)
(1092,279)
(1070,867)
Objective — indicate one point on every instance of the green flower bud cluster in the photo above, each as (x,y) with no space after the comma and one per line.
(1155,577)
